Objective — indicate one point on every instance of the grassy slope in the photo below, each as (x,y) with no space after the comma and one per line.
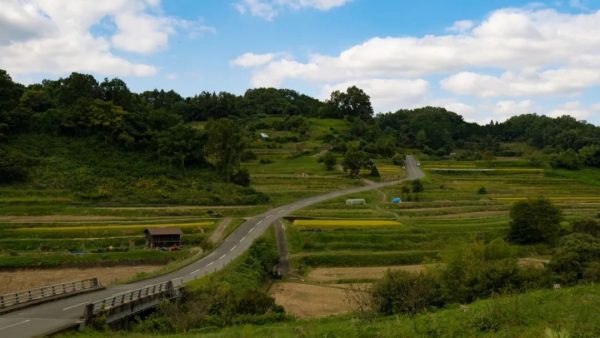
(574,310)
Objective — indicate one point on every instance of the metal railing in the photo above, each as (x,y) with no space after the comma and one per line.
(18,299)
(130,302)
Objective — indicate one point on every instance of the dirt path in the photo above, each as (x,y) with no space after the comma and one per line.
(283,267)
(13,281)
(310,301)
(358,273)
(217,235)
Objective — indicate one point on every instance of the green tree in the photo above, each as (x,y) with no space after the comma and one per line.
(574,255)
(421,139)
(591,155)
(181,145)
(534,221)
(354,160)
(400,292)
(225,145)
(352,103)
(329,160)
(417,186)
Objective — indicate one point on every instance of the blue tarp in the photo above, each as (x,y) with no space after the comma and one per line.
(396,200)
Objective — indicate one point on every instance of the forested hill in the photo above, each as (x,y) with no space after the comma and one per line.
(79,117)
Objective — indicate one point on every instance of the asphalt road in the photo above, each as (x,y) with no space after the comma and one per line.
(54,316)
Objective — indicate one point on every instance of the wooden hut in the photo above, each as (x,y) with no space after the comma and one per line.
(163,237)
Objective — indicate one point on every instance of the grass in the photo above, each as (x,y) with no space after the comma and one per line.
(573,311)
(343,223)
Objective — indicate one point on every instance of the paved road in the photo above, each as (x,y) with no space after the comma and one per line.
(51,317)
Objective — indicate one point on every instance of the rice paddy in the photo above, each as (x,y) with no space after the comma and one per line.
(344,223)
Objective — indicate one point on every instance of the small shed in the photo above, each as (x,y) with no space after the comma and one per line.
(264,136)
(163,237)
(356,201)
(396,200)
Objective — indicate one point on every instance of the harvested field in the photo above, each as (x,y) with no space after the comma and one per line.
(311,301)
(13,281)
(360,273)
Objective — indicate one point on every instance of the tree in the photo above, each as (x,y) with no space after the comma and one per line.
(417,186)
(566,160)
(399,159)
(591,155)
(421,139)
(401,292)
(181,145)
(534,221)
(574,256)
(353,103)
(587,226)
(330,160)
(224,145)
(354,160)
(241,177)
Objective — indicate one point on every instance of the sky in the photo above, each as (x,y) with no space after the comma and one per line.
(486,60)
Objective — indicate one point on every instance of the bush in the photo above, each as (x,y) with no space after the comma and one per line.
(417,186)
(13,167)
(248,155)
(241,177)
(375,172)
(535,221)
(482,191)
(575,256)
(590,226)
(398,159)
(330,161)
(400,292)
(566,160)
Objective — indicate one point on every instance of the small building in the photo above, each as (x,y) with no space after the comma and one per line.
(356,201)
(396,200)
(163,237)
(264,136)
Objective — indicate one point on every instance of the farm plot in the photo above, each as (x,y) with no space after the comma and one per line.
(84,243)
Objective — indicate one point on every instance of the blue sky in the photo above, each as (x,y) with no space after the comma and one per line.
(484,59)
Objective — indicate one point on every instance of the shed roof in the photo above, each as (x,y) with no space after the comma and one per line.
(163,231)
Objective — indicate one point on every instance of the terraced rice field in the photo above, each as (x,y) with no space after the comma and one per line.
(344,223)
(86,241)
(449,211)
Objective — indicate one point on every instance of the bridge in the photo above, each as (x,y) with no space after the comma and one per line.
(124,300)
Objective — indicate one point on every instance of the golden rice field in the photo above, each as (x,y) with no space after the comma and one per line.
(345,223)
(96,227)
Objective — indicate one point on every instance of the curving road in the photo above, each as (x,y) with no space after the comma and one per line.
(53,316)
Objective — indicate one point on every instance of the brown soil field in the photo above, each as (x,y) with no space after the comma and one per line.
(359,273)
(311,301)
(19,280)
(56,218)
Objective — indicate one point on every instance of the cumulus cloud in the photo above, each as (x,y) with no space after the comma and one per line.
(57,36)
(461,26)
(253,60)
(577,109)
(514,41)
(269,9)
(386,94)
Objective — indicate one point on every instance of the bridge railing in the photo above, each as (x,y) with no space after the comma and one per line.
(130,302)
(33,296)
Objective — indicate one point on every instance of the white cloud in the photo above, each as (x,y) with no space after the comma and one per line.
(57,36)
(461,26)
(269,9)
(253,60)
(541,50)
(386,94)
(577,110)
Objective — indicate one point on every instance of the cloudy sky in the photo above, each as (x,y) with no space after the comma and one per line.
(486,60)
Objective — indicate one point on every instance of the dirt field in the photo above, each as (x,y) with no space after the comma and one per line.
(13,281)
(310,301)
(360,273)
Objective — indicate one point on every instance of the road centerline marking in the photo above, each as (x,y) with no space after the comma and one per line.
(233,248)
(15,324)
(251,230)
(222,257)
(243,238)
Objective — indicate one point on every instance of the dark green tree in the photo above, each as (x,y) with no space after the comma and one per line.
(329,160)
(417,186)
(354,160)
(353,103)
(181,145)
(534,221)
(225,145)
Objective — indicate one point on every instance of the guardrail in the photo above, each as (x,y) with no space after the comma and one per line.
(130,302)
(13,301)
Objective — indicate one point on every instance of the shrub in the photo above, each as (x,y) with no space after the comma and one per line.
(482,191)
(398,159)
(375,172)
(574,256)
(248,155)
(534,221)
(417,186)
(241,177)
(330,161)
(402,292)
(566,160)
(265,161)
(13,166)
(590,226)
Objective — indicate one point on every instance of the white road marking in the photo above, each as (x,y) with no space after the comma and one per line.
(259,223)
(243,238)
(222,257)
(194,272)
(233,248)
(251,230)
(74,306)
(15,324)
(211,263)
